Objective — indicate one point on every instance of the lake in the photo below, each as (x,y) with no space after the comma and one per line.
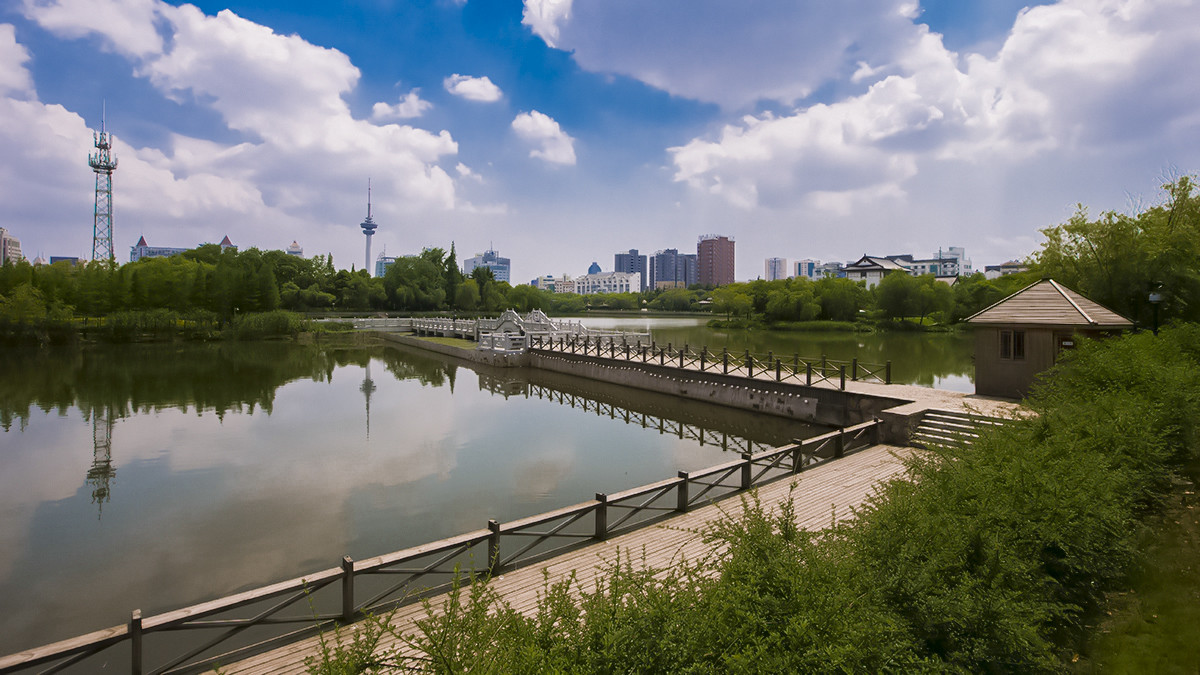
(940,360)
(158,476)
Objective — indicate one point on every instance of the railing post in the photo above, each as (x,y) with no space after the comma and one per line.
(681,501)
(494,546)
(725,358)
(809,368)
(877,432)
(778,370)
(796,363)
(643,353)
(746,471)
(601,516)
(797,455)
(703,356)
(347,588)
(842,372)
(839,445)
(749,365)
(135,642)
(824,367)
(681,353)
(854,369)
(888,371)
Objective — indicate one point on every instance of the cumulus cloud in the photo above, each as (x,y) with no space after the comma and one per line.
(554,145)
(411,105)
(282,94)
(14,76)
(544,16)
(127,26)
(1069,79)
(733,54)
(473,88)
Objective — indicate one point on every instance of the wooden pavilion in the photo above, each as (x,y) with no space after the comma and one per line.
(1023,334)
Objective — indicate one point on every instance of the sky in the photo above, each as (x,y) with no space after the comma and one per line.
(560,132)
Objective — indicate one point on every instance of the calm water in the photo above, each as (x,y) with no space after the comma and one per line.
(157,476)
(940,360)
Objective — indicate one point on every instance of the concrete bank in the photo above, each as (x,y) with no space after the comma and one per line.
(900,407)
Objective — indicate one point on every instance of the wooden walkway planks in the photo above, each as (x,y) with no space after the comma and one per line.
(822,493)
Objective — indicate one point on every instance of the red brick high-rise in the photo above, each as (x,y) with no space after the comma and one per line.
(714,260)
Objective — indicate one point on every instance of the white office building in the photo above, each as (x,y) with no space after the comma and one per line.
(10,248)
(776,269)
(609,282)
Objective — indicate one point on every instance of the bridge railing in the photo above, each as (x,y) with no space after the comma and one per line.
(631,347)
(200,637)
(503,342)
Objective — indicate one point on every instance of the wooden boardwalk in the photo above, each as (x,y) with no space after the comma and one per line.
(823,492)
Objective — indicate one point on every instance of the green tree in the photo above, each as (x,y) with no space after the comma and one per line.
(731,303)
(841,299)
(792,300)
(1118,259)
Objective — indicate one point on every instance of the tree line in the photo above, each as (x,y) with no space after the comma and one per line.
(1118,260)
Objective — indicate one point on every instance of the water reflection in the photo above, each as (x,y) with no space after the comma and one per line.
(941,360)
(215,468)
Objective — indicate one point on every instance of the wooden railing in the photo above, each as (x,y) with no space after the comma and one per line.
(810,372)
(197,638)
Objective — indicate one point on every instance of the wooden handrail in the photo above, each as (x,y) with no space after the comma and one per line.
(192,617)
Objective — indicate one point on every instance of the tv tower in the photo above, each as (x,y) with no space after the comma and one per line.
(103,163)
(368,227)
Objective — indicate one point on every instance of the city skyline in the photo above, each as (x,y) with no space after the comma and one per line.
(565,130)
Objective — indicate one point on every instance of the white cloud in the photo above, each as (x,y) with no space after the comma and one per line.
(544,16)
(127,26)
(733,54)
(285,97)
(556,146)
(14,76)
(473,88)
(1071,78)
(408,107)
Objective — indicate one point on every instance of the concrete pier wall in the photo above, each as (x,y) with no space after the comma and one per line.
(830,407)
(819,405)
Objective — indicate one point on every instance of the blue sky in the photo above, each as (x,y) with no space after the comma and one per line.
(563,131)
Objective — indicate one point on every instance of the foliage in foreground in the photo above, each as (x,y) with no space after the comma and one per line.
(986,559)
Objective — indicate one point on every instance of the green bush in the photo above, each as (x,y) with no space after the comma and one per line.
(259,325)
(982,559)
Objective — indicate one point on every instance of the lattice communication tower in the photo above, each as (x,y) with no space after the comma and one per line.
(103,163)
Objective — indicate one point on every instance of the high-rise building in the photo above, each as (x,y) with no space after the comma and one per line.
(807,268)
(776,269)
(10,248)
(631,263)
(671,269)
(382,262)
(714,255)
(295,250)
(491,260)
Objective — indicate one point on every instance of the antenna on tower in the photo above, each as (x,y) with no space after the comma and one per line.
(103,163)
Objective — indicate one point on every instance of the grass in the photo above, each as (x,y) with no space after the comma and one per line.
(450,342)
(1151,627)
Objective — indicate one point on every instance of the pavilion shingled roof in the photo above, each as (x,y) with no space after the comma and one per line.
(1049,303)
